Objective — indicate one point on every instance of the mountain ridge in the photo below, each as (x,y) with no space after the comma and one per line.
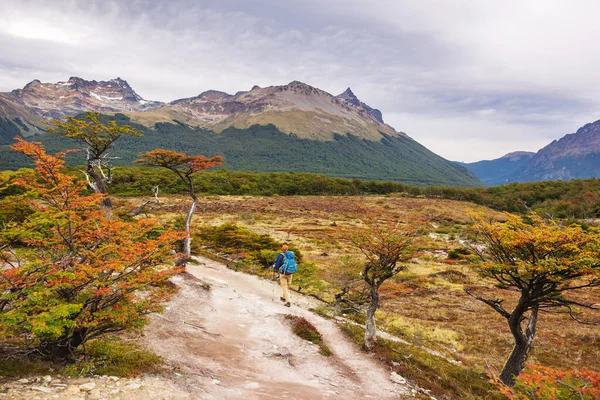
(573,156)
(292,127)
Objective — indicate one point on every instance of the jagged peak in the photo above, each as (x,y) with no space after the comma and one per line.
(121,82)
(347,93)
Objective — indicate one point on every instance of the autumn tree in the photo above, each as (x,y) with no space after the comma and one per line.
(98,138)
(184,166)
(386,244)
(69,273)
(541,261)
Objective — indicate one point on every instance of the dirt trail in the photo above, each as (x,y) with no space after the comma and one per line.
(231,343)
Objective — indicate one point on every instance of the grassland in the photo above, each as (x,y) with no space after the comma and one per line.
(425,306)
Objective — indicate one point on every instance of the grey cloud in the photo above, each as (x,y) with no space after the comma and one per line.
(436,69)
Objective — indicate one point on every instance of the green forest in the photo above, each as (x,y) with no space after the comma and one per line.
(558,199)
(266,149)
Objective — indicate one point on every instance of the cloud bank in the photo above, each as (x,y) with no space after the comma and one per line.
(470,80)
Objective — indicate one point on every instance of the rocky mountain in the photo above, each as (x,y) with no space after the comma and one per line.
(574,156)
(351,100)
(293,127)
(295,108)
(55,100)
(501,170)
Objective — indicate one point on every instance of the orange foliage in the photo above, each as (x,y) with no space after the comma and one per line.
(70,273)
(538,382)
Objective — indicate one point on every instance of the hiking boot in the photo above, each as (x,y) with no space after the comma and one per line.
(287,304)
(282,299)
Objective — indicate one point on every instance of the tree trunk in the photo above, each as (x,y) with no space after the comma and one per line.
(370,329)
(100,187)
(62,348)
(187,243)
(516,361)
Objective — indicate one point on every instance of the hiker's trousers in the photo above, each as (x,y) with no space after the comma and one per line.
(286,281)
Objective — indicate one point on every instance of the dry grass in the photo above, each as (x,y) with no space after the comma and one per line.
(435,312)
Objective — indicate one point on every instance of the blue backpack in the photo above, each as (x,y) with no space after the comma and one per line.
(289,264)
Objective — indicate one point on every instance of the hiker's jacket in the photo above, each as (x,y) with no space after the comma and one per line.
(279,261)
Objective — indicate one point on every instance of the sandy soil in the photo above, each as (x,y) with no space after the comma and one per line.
(231,342)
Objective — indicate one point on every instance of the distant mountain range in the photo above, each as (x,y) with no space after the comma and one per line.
(293,127)
(574,156)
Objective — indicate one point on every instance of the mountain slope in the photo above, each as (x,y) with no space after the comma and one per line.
(574,156)
(266,149)
(501,170)
(293,127)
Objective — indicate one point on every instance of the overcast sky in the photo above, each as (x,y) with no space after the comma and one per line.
(469,79)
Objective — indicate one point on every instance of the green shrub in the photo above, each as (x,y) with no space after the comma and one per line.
(115,357)
(307,331)
(458,253)
(247,246)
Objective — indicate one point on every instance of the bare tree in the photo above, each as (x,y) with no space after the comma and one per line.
(155,200)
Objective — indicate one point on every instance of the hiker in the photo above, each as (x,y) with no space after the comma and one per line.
(279,261)
(286,265)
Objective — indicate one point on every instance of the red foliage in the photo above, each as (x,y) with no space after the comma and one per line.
(542,383)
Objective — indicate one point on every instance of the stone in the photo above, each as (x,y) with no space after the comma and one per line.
(133,386)
(87,387)
(114,378)
(252,385)
(42,389)
(23,380)
(71,390)
(216,382)
(397,379)
(47,378)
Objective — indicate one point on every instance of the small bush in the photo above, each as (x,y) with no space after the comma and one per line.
(114,357)
(458,253)
(251,252)
(453,276)
(551,384)
(307,331)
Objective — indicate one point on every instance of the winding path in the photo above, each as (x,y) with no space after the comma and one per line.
(231,343)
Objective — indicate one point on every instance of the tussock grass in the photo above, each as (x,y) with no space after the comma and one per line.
(444,379)
(105,356)
(307,331)
(414,332)
(115,357)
